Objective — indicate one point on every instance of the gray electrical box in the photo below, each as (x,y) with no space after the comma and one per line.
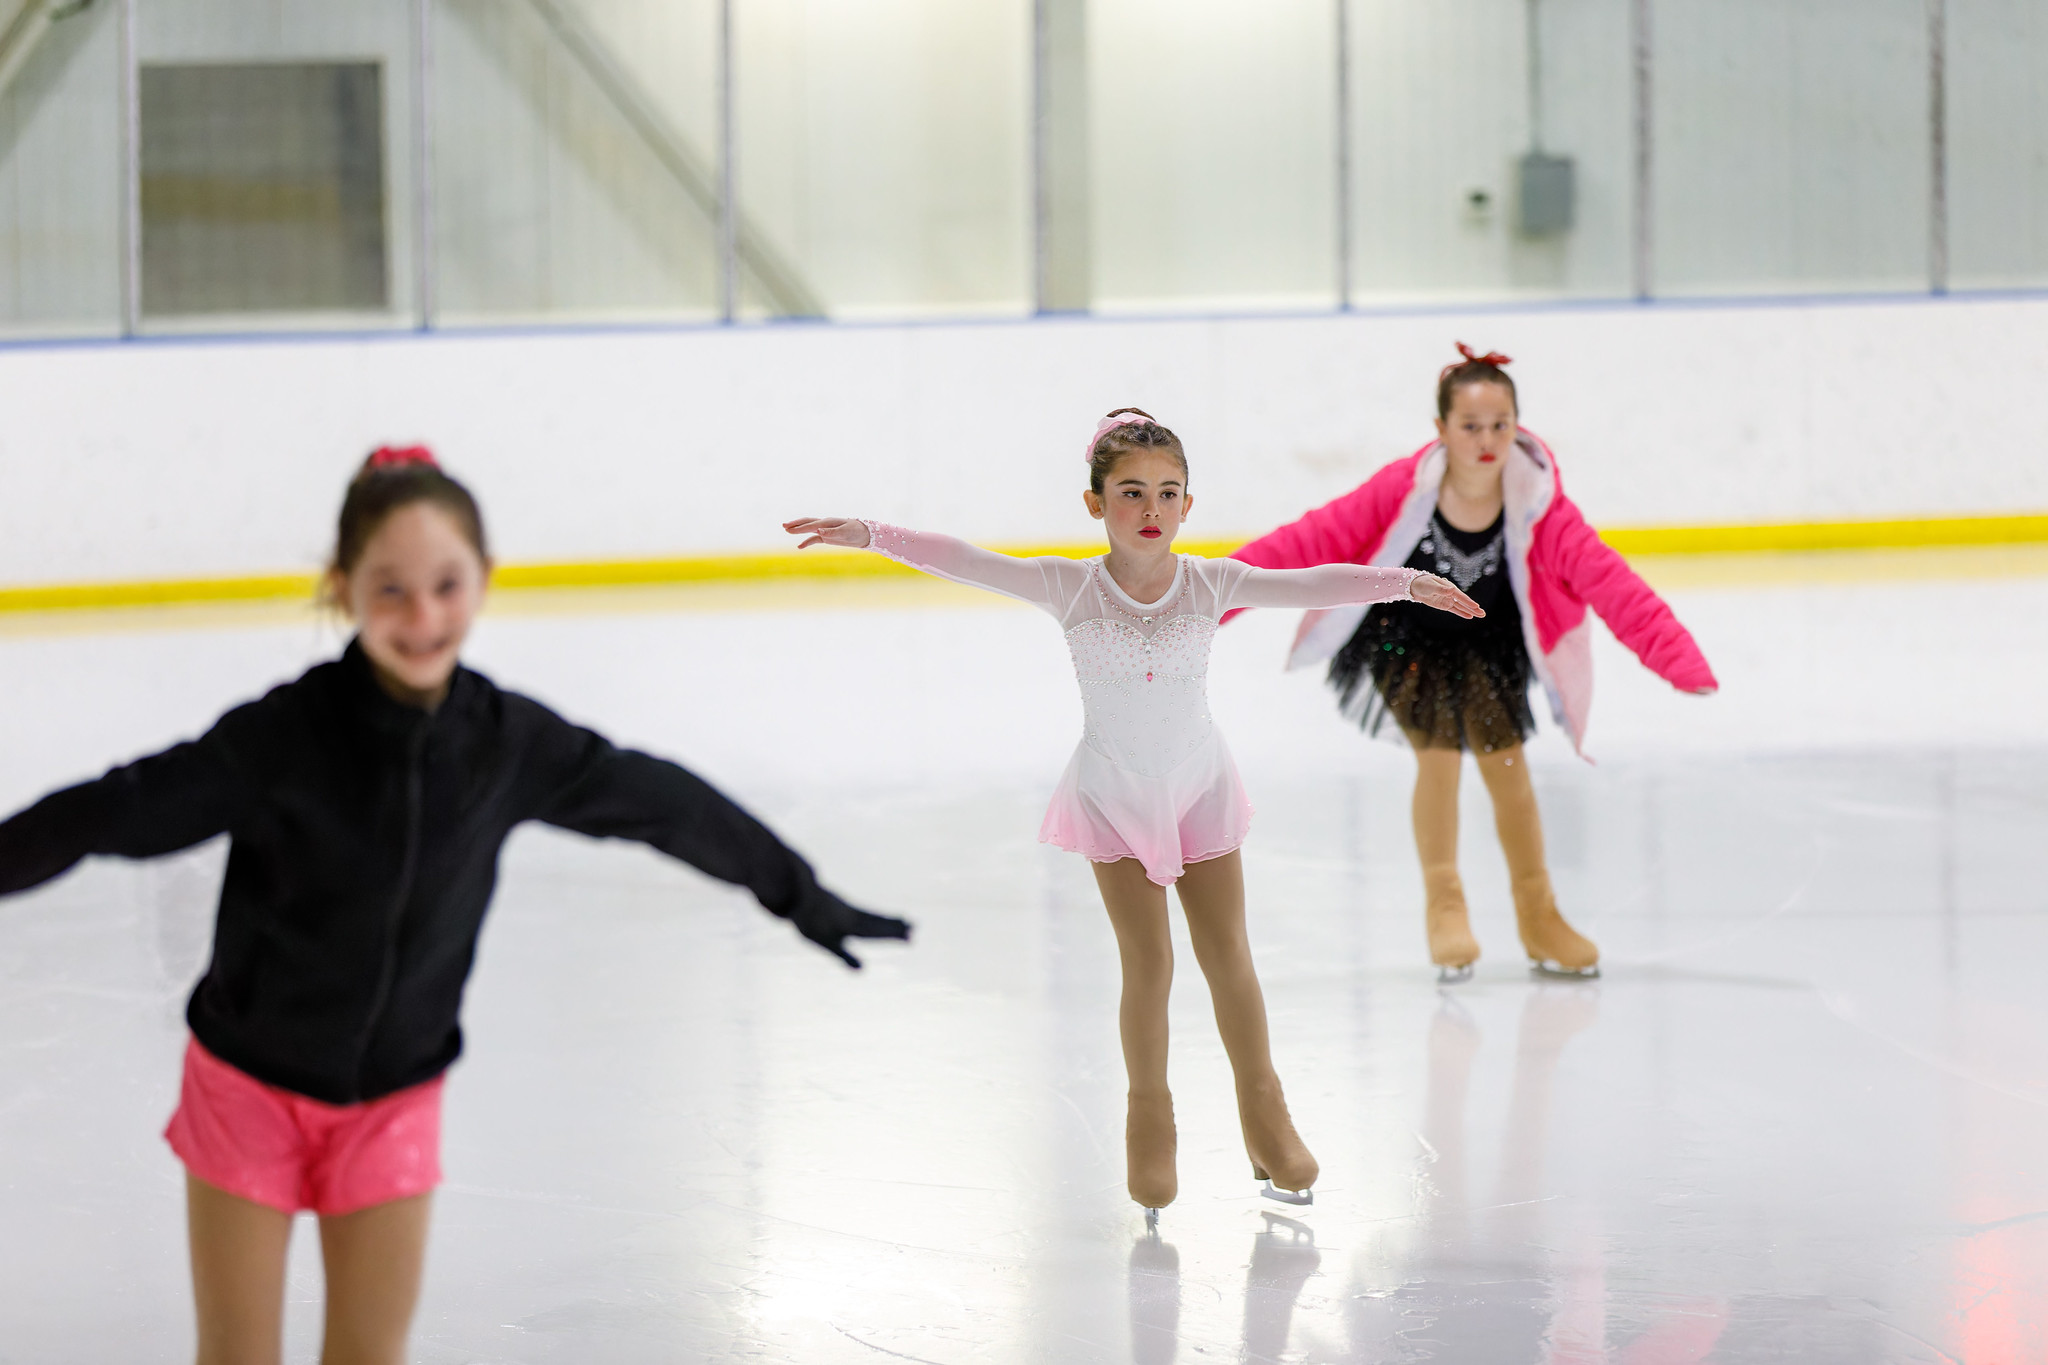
(1546,194)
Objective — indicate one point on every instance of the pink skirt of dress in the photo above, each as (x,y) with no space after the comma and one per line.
(1195,811)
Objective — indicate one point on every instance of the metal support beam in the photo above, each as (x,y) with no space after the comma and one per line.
(712,189)
(424,263)
(1061,267)
(1643,263)
(131,172)
(1937,146)
(1343,152)
(728,174)
(1041,152)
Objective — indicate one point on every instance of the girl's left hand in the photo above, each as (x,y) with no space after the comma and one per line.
(1443,594)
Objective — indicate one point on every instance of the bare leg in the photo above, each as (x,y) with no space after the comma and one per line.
(1435,810)
(374,1258)
(1137,911)
(1212,895)
(238,1250)
(1549,941)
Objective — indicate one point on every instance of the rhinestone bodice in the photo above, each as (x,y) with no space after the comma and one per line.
(1144,674)
(1145,699)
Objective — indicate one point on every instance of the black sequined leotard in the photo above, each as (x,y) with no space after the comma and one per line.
(1445,681)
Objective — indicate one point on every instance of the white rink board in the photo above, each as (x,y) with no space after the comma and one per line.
(169,459)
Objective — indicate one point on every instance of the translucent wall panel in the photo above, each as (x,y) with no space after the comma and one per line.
(1446,101)
(182,33)
(60,182)
(884,147)
(1792,145)
(263,187)
(1213,153)
(884,153)
(576,159)
(1997,143)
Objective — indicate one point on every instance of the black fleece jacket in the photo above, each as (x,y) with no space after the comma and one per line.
(365,838)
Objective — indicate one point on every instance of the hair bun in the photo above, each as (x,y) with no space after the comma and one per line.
(1122,417)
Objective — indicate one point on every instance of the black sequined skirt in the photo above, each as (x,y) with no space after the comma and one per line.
(1457,689)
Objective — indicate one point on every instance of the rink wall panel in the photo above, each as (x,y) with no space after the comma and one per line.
(193,458)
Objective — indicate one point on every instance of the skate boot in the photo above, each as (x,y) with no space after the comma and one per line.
(1554,947)
(1451,945)
(1279,1156)
(1149,1149)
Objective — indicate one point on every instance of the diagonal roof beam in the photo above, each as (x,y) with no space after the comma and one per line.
(25,29)
(787,292)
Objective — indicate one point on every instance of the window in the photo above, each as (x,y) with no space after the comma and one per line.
(262,188)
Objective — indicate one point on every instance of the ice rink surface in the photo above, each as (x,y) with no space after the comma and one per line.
(1802,1118)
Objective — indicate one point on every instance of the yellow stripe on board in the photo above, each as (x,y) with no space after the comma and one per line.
(818,563)
(1828,535)
(1647,540)
(598,573)
(156,592)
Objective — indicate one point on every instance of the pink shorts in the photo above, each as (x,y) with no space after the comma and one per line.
(274,1147)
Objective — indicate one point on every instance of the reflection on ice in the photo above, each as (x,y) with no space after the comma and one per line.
(1284,1258)
(1155,1300)
(1487,1283)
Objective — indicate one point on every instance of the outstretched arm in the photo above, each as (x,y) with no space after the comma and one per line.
(596,788)
(1631,608)
(1339,585)
(1044,580)
(156,805)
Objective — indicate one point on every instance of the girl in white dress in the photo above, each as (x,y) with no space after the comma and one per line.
(1151,795)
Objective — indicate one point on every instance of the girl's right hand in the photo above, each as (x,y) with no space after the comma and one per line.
(829,531)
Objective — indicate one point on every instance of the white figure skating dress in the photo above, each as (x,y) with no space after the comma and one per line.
(1151,778)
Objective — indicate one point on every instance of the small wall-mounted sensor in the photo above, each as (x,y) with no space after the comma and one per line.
(1546,194)
(1479,206)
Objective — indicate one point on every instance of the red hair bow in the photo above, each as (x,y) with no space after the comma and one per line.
(1493,358)
(384,457)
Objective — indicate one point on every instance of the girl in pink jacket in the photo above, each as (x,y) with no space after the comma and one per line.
(1483,506)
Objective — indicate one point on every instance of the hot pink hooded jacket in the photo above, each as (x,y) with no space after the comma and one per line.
(1557,566)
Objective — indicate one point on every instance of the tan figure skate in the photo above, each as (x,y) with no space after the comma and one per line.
(1451,945)
(1554,947)
(1279,1156)
(1150,1145)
